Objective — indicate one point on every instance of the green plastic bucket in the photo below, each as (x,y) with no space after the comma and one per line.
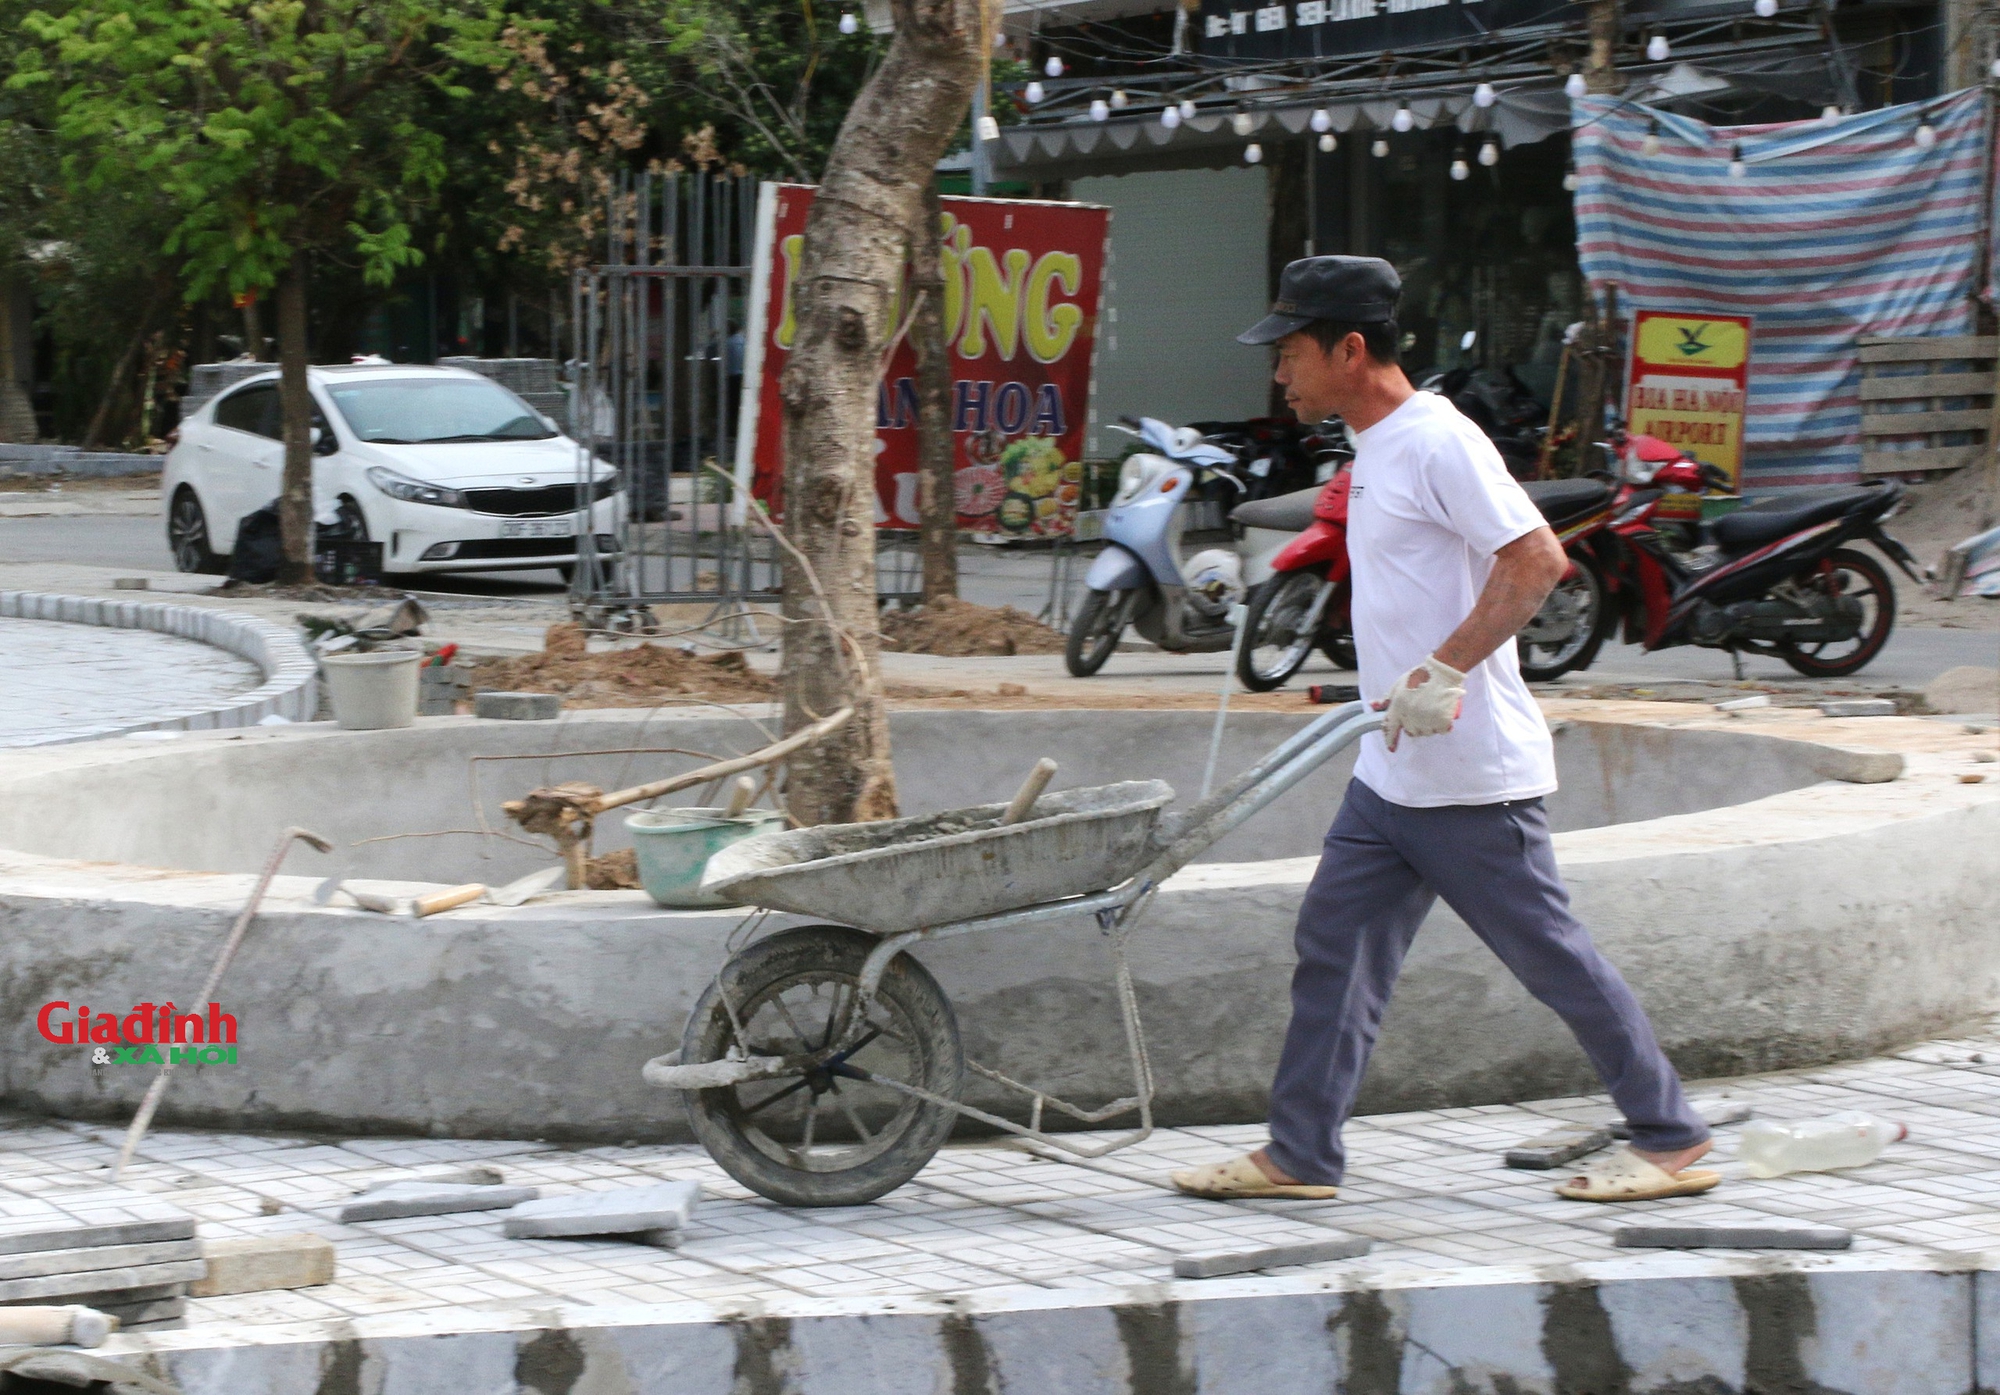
(673,847)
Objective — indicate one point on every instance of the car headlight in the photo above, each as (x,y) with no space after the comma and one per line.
(398,486)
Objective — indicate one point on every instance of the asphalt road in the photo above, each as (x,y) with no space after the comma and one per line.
(994,576)
(138,542)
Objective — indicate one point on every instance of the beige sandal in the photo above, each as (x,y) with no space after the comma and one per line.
(1625,1176)
(1240,1178)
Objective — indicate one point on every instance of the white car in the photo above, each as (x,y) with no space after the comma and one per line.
(447,470)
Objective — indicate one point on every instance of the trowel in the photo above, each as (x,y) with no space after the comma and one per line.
(521,888)
(324,893)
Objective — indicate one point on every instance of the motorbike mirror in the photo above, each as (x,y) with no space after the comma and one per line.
(1468,339)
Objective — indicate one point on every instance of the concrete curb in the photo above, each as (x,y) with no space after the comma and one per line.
(1724,1326)
(44,461)
(291,678)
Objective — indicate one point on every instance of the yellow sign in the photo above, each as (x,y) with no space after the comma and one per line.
(1689,381)
(1686,341)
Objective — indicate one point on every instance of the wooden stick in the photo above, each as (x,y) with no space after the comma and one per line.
(1031,790)
(740,795)
(777,750)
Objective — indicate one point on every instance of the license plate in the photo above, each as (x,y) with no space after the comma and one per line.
(1090,524)
(538,528)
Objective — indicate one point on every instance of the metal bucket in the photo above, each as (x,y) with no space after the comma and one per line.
(673,846)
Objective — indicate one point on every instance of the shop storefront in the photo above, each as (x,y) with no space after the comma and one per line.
(1433,134)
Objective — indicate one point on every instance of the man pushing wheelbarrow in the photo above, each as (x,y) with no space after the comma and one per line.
(1450,559)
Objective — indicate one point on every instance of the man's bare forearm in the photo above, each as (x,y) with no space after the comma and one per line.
(1524,572)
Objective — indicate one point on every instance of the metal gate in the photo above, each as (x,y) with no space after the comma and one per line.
(658,379)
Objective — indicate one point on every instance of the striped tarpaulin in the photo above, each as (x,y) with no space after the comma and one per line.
(1834,230)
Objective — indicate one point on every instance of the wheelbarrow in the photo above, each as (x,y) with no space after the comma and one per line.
(823,1066)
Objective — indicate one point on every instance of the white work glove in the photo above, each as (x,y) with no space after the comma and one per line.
(1423,702)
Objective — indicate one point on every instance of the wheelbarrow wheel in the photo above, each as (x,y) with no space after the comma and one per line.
(835,1137)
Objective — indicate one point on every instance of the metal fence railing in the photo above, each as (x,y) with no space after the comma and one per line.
(658,376)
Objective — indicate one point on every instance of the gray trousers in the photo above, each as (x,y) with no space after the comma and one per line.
(1383,866)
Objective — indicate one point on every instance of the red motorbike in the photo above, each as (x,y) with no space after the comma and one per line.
(1305,602)
(1775,577)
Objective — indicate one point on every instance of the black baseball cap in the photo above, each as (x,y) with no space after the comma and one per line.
(1360,290)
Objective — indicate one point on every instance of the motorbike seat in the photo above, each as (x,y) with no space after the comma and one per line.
(1769,519)
(1287,513)
(1564,501)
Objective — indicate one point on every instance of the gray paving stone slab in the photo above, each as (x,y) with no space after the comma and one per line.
(130,1315)
(626,1211)
(399,1199)
(146,1293)
(1732,1237)
(37,1263)
(1558,1146)
(97,1216)
(1212,1262)
(517,707)
(101,1280)
(1857,707)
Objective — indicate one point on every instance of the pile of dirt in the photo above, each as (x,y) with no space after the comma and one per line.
(959,629)
(312,591)
(613,871)
(1943,511)
(644,676)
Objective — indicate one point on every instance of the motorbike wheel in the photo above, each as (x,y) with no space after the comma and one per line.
(1093,635)
(1860,577)
(1275,645)
(1569,629)
(1338,646)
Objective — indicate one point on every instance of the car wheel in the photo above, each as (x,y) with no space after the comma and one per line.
(187,535)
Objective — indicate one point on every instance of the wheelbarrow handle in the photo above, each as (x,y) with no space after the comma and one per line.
(1213,818)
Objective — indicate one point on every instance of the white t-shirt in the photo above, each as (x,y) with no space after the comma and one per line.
(1431,504)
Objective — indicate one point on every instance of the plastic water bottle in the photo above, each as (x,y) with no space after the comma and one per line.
(1815,1145)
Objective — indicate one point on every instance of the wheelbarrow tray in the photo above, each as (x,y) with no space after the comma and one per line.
(909,874)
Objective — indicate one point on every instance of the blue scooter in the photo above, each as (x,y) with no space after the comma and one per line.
(1138,580)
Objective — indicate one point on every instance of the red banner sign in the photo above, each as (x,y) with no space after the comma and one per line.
(1022,283)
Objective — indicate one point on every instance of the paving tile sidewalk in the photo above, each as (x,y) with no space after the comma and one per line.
(1428,1187)
(64,678)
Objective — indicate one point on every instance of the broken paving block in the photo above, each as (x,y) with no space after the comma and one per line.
(1732,1237)
(517,707)
(477,1175)
(1713,1110)
(399,1199)
(1717,1110)
(1559,1146)
(665,1206)
(1215,1261)
(1857,707)
(261,1262)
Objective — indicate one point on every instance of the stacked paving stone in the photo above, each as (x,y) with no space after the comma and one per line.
(121,1252)
(208,380)
(532,379)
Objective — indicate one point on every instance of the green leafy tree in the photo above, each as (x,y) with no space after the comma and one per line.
(274,131)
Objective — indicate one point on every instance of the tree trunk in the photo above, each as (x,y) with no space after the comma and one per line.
(100,420)
(856,239)
(17,410)
(295,502)
(937,484)
(253,330)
